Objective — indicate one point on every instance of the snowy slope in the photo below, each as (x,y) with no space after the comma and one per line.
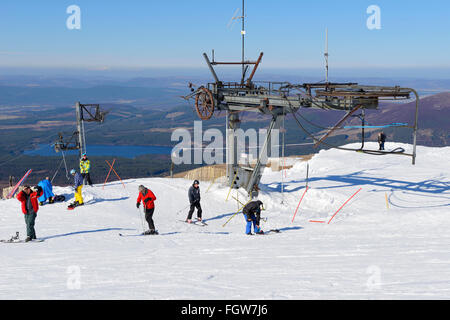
(367,252)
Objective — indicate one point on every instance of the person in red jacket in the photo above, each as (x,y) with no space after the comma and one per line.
(30,207)
(147,197)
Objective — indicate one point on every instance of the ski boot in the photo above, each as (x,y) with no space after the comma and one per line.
(74,204)
(150,232)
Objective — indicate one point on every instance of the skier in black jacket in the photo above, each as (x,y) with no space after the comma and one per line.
(194,200)
(381,140)
(252,213)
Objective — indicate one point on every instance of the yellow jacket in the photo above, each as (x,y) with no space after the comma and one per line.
(85,165)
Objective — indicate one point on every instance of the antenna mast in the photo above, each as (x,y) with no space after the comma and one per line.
(326,55)
(243,38)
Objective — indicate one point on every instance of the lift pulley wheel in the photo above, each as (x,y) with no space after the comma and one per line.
(204,104)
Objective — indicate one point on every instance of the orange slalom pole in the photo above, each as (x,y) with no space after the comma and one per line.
(110,168)
(299,203)
(344,204)
(387,202)
(116,174)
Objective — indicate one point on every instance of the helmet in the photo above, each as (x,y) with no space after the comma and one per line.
(196,182)
(72,171)
(141,188)
(83,155)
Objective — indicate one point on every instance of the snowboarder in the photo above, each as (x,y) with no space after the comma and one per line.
(381,140)
(147,197)
(78,186)
(47,189)
(30,207)
(85,167)
(252,214)
(194,200)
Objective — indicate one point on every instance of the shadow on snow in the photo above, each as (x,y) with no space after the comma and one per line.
(83,232)
(359,179)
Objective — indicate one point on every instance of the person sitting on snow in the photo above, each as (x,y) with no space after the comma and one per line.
(78,186)
(252,214)
(47,189)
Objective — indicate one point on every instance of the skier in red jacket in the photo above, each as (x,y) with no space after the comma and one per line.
(30,207)
(147,197)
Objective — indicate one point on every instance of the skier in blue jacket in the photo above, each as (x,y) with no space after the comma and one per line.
(47,191)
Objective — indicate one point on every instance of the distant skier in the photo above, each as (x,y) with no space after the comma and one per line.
(252,213)
(381,140)
(194,200)
(47,189)
(30,207)
(85,167)
(147,197)
(78,186)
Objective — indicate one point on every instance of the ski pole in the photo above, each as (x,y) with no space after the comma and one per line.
(211,185)
(183,209)
(142,220)
(235,214)
(231,186)
(238,200)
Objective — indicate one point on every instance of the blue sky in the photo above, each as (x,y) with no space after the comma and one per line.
(175,33)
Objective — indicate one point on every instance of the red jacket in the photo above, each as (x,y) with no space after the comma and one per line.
(34,201)
(147,197)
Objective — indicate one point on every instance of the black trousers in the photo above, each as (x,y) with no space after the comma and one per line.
(87,178)
(381,145)
(191,210)
(149,218)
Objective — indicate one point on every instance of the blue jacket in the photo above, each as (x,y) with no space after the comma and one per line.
(78,180)
(47,190)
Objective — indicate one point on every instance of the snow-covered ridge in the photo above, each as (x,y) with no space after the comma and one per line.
(371,249)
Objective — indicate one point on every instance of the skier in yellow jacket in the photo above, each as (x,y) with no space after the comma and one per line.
(85,167)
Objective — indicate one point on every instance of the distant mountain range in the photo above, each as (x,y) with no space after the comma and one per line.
(434,118)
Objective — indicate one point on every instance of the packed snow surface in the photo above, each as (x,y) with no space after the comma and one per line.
(372,249)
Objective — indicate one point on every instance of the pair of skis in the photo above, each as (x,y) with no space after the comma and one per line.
(16,239)
(139,234)
(268,232)
(195,223)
